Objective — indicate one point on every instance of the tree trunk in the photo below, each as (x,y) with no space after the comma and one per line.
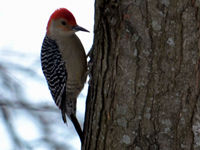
(144,92)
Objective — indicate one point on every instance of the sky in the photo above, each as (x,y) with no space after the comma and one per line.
(22,29)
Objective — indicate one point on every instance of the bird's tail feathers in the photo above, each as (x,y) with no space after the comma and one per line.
(77,127)
(68,108)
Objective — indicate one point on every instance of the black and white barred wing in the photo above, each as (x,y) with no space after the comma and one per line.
(54,69)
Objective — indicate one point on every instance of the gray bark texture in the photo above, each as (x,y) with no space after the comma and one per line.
(144,93)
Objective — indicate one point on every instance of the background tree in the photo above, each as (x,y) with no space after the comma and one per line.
(144,92)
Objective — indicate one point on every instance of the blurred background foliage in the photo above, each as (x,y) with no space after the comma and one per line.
(29,120)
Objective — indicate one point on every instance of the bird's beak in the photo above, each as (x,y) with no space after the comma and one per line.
(79,28)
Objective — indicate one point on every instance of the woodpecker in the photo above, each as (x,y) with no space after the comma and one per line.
(64,63)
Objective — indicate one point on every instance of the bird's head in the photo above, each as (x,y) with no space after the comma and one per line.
(62,23)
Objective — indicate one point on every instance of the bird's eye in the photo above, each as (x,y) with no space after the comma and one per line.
(63,22)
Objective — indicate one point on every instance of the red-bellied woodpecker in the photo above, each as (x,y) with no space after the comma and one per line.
(64,63)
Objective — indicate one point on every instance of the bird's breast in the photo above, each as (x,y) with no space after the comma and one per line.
(74,56)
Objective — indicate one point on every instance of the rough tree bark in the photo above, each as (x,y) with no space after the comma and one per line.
(144,92)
